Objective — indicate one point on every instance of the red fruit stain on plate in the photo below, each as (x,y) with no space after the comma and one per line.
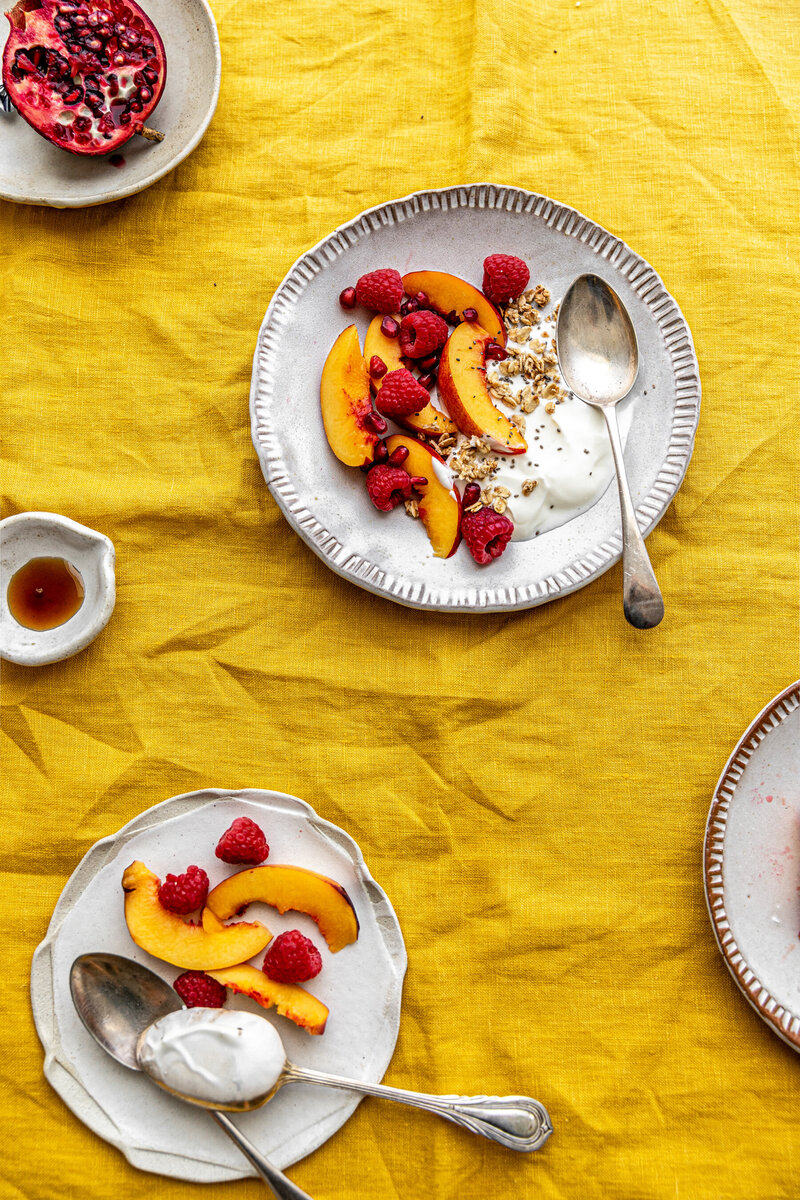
(117,160)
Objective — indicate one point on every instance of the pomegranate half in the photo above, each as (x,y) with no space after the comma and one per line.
(86,74)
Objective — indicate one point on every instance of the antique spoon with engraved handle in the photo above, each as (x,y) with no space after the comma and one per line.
(517,1122)
(117,999)
(599,360)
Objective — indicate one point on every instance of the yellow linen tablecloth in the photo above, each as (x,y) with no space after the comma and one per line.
(531,790)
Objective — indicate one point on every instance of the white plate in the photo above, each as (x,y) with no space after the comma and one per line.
(32,171)
(361,985)
(453,230)
(752,864)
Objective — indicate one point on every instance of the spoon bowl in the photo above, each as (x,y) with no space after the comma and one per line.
(118,999)
(599,360)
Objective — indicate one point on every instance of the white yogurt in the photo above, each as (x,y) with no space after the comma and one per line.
(569,456)
(214,1055)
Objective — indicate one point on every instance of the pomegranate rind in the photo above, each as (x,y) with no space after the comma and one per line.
(51,64)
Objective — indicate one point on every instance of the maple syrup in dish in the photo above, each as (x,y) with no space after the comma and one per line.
(45,593)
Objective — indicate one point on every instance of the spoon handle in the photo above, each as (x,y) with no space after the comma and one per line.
(517,1122)
(641,598)
(280,1185)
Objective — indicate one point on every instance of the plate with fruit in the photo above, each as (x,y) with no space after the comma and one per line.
(409,415)
(100,98)
(246,900)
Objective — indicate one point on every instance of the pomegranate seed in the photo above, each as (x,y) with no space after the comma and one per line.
(390,327)
(408,306)
(495,353)
(472,494)
(452,317)
(74,96)
(80,18)
(377,367)
(398,456)
(347,298)
(419,481)
(427,381)
(151,77)
(381,452)
(470,315)
(82,124)
(145,94)
(118,60)
(375,422)
(429,364)
(120,29)
(421,299)
(136,106)
(125,118)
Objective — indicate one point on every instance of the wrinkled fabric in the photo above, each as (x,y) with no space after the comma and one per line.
(530,789)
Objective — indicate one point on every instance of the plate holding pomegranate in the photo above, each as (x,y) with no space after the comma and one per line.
(107,96)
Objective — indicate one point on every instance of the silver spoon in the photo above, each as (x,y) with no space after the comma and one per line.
(117,999)
(599,361)
(182,1053)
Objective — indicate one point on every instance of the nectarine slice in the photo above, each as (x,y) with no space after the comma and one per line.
(322,899)
(440,505)
(462,383)
(448,293)
(167,936)
(387,349)
(345,401)
(430,419)
(289,999)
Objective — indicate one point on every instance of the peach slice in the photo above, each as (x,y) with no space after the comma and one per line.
(322,899)
(430,420)
(462,383)
(440,505)
(448,293)
(345,401)
(167,936)
(388,349)
(289,999)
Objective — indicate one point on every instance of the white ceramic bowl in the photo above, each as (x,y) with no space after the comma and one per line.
(48,535)
(32,171)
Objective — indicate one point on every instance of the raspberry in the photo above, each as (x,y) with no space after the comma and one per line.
(387,486)
(292,958)
(421,333)
(486,533)
(242,843)
(382,291)
(400,395)
(184,893)
(504,278)
(198,990)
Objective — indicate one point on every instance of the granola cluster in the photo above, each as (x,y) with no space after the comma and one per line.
(532,361)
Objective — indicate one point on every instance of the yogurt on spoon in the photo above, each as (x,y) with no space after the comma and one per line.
(215,1057)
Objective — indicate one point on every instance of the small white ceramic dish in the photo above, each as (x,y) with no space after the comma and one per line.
(47,535)
(32,171)
(362,986)
(453,230)
(752,864)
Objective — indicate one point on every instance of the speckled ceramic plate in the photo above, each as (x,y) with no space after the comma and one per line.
(752,864)
(361,985)
(453,230)
(34,172)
